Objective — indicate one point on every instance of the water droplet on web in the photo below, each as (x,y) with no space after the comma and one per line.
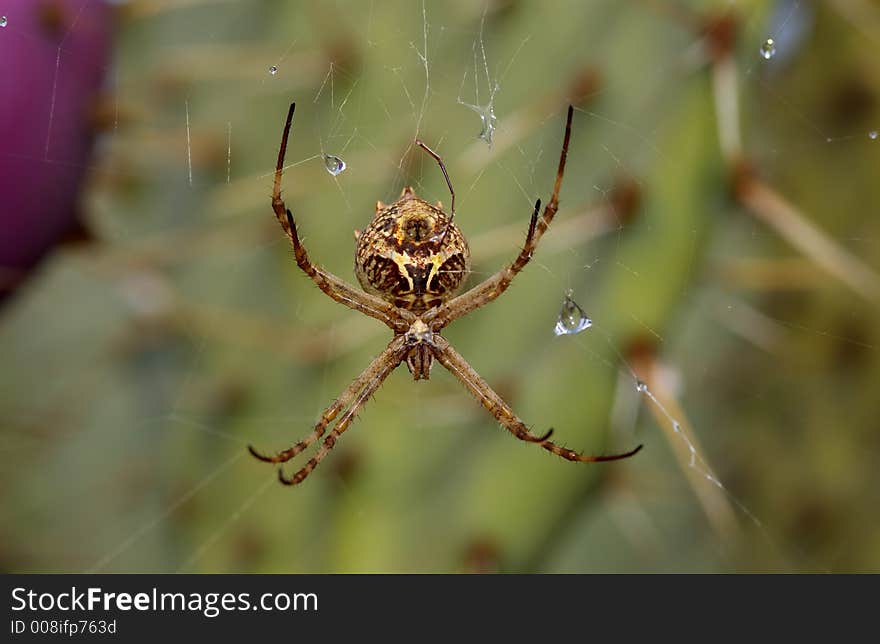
(572,318)
(487,119)
(487,132)
(641,387)
(768,49)
(273,70)
(3,21)
(334,164)
(873,135)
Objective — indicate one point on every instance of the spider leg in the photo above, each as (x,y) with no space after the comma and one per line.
(379,370)
(495,285)
(495,405)
(442,165)
(333,410)
(334,287)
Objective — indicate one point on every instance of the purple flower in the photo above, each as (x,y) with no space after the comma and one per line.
(53,58)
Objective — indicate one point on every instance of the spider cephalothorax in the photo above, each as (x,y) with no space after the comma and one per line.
(411,254)
(410,261)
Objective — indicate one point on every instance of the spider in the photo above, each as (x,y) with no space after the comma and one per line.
(410,261)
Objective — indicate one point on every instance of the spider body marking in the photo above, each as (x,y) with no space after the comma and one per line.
(411,254)
(414,257)
(410,261)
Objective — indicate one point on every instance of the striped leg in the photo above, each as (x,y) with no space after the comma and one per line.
(369,374)
(480,389)
(495,285)
(385,364)
(334,287)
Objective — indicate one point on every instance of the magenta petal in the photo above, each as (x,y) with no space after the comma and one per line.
(50,80)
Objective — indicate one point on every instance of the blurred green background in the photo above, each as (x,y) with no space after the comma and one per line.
(138,366)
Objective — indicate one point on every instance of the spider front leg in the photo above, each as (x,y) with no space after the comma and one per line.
(494,286)
(480,389)
(384,365)
(333,286)
(354,397)
(371,372)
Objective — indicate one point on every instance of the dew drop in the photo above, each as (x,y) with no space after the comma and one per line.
(3,21)
(487,132)
(273,70)
(488,121)
(572,318)
(334,164)
(641,387)
(873,135)
(768,49)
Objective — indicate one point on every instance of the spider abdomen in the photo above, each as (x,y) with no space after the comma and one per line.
(411,254)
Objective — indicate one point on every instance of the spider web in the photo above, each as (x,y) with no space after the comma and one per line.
(188,333)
